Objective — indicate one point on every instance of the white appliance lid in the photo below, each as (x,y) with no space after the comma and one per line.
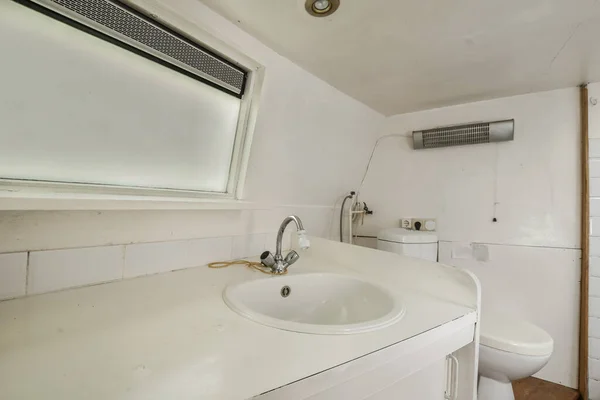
(401,235)
(509,334)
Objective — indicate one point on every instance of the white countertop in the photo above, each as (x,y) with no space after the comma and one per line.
(170,336)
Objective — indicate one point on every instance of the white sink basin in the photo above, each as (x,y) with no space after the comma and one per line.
(315,303)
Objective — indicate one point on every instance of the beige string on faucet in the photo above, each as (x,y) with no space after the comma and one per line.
(250,264)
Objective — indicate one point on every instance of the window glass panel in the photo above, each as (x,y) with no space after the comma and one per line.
(74,108)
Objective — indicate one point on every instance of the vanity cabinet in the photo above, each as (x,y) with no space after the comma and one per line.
(183,341)
(412,369)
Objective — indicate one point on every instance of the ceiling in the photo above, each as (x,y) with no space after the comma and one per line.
(399,56)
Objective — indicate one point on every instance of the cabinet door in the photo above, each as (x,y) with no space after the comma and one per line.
(426,384)
(420,361)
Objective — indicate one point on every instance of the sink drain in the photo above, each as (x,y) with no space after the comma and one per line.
(285,291)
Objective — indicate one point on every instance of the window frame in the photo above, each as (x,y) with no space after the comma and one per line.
(19,194)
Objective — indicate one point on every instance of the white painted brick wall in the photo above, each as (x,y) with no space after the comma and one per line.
(594,150)
(595,266)
(594,300)
(594,307)
(595,246)
(153,258)
(594,348)
(60,269)
(13,271)
(594,389)
(594,369)
(595,207)
(36,272)
(249,245)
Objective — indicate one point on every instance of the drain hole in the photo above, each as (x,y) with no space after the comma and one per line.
(285,291)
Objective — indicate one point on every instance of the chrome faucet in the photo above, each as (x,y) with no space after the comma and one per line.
(277,263)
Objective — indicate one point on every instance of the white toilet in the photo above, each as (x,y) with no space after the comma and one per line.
(417,244)
(510,349)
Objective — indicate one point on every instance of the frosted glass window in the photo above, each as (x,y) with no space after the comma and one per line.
(74,108)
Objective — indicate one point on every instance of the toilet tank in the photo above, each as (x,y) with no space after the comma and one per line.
(417,244)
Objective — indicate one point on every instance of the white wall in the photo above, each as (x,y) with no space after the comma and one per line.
(298,164)
(594,240)
(532,187)
(296,158)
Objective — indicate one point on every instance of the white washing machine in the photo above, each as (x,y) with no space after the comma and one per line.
(417,244)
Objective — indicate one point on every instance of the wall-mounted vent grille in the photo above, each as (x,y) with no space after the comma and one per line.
(112,19)
(488,132)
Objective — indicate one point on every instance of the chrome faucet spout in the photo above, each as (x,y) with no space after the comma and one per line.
(277,263)
(281,230)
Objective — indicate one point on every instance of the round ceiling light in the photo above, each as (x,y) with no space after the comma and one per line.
(321,8)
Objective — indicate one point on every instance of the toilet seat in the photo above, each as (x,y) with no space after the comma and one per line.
(512,335)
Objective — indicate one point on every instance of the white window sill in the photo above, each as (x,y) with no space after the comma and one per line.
(14,199)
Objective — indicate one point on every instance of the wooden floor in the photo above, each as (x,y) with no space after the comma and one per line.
(537,389)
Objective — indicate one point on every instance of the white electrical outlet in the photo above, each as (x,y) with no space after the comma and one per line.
(406,223)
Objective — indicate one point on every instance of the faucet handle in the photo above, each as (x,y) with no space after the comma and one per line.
(267,259)
(291,258)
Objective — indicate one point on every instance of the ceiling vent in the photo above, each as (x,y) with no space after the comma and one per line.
(121,25)
(459,135)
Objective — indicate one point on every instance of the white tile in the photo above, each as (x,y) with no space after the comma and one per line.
(595,246)
(594,168)
(594,348)
(594,187)
(13,272)
(270,241)
(595,226)
(153,258)
(594,304)
(595,266)
(594,389)
(594,327)
(248,245)
(61,269)
(595,207)
(594,148)
(594,371)
(594,286)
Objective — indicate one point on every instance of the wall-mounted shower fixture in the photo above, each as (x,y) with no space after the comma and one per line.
(321,8)
(354,214)
(351,198)
(458,135)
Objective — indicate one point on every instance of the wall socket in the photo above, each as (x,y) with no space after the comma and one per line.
(419,224)
(406,223)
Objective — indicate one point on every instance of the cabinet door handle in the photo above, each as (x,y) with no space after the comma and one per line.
(452,378)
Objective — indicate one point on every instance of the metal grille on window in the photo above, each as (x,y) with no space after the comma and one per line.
(124,24)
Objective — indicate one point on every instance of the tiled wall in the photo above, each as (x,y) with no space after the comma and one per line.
(594,243)
(594,300)
(36,272)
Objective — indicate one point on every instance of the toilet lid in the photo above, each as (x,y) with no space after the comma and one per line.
(509,334)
